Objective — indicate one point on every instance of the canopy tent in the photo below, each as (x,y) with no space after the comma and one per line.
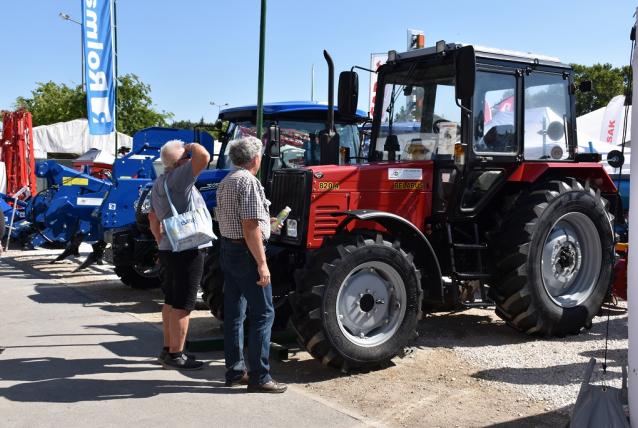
(73,137)
(605,124)
(601,131)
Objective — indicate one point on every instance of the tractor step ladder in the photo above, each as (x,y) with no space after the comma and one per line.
(476,246)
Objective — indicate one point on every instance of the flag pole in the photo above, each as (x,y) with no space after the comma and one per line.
(115,68)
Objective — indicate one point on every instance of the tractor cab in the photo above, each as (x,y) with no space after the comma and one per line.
(478,113)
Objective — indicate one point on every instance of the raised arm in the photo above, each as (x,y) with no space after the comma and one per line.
(199,157)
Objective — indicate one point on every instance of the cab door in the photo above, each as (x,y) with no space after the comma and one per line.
(493,142)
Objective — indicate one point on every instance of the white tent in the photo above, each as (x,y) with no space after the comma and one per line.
(600,131)
(604,124)
(73,137)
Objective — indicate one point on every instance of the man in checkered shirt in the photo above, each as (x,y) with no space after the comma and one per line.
(244,223)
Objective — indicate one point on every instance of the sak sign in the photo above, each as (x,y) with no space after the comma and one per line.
(98,65)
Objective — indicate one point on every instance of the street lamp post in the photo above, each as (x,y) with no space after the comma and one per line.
(219,106)
(67,17)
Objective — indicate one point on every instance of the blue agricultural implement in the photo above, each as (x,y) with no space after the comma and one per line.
(77,207)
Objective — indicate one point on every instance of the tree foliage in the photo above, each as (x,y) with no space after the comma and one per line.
(51,102)
(215,129)
(607,82)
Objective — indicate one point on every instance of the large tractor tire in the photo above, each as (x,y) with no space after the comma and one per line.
(213,282)
(213,290)
(555,251)
(357,303)
(138,277)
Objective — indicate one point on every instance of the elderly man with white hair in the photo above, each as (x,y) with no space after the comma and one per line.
(182,270)
(244,223)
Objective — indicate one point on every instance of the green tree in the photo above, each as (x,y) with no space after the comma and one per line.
(607,82)
(51,102)
(215,129)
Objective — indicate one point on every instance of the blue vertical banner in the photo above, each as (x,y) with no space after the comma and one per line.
(97,32)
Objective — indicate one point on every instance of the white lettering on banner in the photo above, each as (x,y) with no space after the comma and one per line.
(98,81)
(91,24)
(95,45)
(93,60)
(91,3)
(405,173)
(100,112)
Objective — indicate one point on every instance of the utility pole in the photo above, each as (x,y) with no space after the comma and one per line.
(67,17)
(219,106)
(260,79)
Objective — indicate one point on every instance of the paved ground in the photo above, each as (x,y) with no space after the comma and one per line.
(80,345)
(67,360)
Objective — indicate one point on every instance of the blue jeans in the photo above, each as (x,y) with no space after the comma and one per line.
(241,291)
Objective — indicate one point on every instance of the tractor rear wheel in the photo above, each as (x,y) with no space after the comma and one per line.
(138,276)
(357,303)
(555,252)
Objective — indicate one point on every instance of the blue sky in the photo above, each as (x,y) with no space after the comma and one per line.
(194,52)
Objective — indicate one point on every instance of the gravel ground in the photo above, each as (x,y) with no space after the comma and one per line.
(466,368)
(549,370)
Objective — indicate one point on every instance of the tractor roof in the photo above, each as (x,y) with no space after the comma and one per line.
(491,53)
(290,110)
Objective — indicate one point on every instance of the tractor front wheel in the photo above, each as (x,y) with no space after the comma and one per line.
(357,303)
(140,277)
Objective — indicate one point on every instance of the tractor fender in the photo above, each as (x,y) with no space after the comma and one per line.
(412,240)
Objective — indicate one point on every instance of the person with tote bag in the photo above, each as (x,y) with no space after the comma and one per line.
(175,199)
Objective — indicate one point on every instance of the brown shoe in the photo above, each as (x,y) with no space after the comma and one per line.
(271,387)
(242,380)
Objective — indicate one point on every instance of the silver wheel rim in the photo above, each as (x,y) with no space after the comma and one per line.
(571,260)
(371,304)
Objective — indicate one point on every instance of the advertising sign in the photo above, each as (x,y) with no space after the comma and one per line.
(376,60)
(97,32)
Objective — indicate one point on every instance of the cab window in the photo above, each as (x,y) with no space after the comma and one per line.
(546,114)
(300,141)
(495,114)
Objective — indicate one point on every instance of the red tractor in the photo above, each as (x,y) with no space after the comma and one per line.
(485,200)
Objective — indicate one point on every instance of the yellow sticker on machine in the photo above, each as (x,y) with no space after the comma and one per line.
(75,181)
(328,185)
(408,185)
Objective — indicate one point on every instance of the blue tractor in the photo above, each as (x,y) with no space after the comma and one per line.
(294,125)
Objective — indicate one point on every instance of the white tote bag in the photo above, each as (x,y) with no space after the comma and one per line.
(190,229)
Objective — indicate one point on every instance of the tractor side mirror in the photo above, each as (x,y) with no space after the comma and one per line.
(348,96)
(274,145)
(465,73)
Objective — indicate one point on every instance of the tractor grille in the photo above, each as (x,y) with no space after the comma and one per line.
(292,188)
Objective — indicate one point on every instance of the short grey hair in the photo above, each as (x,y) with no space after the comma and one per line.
(169,153)
(243,150)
